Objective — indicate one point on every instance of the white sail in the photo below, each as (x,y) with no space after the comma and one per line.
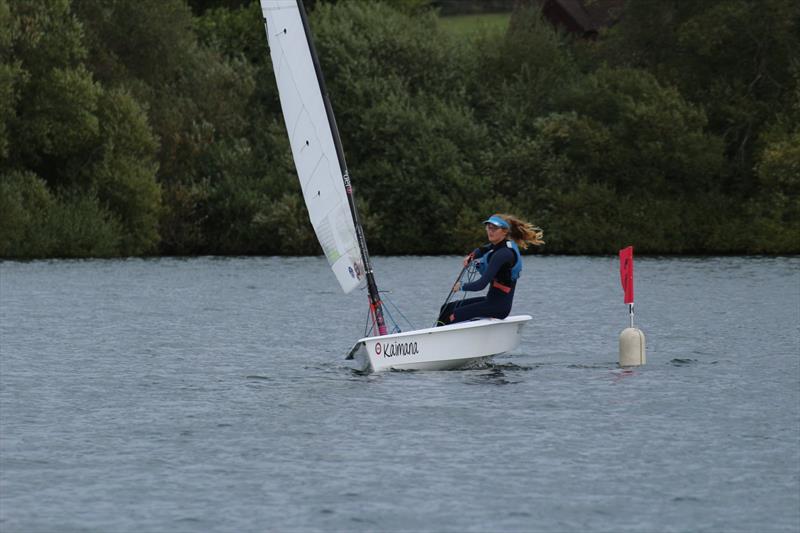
(312,141)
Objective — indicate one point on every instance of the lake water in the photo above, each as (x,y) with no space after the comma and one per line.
(211,395)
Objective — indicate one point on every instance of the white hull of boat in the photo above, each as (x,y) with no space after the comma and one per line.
(443,348)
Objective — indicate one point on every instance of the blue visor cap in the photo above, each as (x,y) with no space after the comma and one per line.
(497,221)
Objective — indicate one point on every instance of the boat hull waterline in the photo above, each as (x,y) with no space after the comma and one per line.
(444,348)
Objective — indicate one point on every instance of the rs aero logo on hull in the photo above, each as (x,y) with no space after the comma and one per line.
(395,349)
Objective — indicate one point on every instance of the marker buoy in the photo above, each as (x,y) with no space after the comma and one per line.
(631,340)
(631,347)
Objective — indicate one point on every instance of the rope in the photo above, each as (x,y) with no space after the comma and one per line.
(404,317)
(470,271)
(367,328)
(395,327)
(369,325)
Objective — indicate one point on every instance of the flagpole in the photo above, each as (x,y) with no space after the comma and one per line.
(630,312)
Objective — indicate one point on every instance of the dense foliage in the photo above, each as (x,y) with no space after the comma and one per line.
(135,128)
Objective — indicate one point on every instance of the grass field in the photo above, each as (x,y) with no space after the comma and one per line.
(468,25)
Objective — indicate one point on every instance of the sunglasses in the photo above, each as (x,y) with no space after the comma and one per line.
(492,227)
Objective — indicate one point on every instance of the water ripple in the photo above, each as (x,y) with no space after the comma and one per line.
(200,395)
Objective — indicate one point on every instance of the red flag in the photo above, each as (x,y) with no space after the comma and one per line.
(626,272)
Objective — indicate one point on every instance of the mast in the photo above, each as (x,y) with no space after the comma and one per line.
(374,297)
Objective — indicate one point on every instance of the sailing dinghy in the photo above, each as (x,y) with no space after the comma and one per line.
(325,181)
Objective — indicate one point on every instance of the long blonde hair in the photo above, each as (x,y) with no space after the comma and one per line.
(522,232)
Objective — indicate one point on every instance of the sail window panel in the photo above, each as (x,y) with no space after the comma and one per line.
(330,216)
(343,255)
(344,260)
(345,232)
(325,235)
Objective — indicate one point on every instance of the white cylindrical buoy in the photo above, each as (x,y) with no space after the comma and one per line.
(631,347)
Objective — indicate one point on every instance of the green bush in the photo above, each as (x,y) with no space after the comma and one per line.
(35,223)
(732,57)
(636,135)
(24,204)
(124,175)
(183,219)
(79,226)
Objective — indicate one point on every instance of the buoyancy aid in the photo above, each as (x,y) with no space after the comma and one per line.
(515,271)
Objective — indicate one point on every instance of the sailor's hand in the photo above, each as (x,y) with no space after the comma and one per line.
(468,259)
(457,286)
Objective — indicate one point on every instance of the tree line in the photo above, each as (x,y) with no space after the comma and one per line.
(150,128)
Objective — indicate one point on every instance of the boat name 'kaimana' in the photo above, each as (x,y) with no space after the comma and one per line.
(396,348)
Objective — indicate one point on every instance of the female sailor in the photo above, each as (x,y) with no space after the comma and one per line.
(499,262)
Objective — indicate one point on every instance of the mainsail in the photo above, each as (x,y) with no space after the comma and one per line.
(317,149)
(311,134)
